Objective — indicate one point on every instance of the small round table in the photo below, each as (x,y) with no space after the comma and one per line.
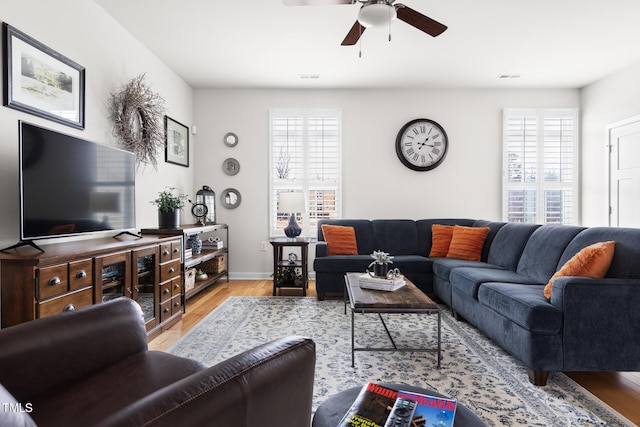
(333,409)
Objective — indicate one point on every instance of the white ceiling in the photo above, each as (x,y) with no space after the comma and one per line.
(264,44)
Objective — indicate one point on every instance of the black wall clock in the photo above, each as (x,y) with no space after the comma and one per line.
(421,144)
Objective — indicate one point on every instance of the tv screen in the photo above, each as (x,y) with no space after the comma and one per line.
(69,185)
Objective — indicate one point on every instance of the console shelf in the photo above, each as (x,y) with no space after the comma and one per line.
(214,262)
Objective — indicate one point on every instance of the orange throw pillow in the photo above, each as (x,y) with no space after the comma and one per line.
(592,261)
(467,242)
(440,240)
(341,240)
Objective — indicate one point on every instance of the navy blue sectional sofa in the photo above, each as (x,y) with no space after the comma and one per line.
(588,325)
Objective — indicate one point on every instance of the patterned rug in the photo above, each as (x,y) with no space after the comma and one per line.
(474,370)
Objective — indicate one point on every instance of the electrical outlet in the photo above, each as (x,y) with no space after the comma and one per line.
(264,246)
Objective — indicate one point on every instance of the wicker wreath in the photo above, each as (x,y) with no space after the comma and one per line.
(137,113)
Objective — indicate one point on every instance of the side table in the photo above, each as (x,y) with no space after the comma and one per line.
(281,263)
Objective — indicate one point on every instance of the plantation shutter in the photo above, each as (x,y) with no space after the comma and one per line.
(540,166)
(305,156)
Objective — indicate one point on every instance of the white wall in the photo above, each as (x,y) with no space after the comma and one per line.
(376,184)
(83,32)
(604,102)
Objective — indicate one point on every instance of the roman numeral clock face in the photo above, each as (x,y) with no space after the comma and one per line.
(421,144)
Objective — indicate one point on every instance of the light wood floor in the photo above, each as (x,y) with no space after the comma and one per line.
(620,390)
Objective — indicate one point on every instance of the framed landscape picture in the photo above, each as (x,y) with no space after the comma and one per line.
(176,142)
(40,81)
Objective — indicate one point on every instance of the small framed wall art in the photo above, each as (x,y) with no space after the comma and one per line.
(40,81)
(176,142)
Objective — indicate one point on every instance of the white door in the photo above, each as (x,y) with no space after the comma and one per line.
(624,173)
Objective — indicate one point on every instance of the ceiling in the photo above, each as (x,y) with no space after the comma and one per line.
(265,44)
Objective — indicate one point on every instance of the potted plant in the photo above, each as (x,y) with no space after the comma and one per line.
(169,206)
(381,261)
(201,275)
(289,277)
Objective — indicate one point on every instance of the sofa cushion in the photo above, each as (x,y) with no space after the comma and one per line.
(468,279)
(467,242)
(592,261)
(543,250)
(508,244)
(363,230)
(440,240)
(494,227)
(395,236)
(342,264)
(624,264)
(424,231)
(442,267)
(523,304)
(95,396)
(412,264)
(340,240)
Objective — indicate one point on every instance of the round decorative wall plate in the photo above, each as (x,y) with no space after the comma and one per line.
(231,166)
(230,139)
(230,198)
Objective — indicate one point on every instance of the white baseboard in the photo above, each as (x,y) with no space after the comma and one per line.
(259,276)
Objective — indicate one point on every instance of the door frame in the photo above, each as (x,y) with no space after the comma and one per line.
(607,159)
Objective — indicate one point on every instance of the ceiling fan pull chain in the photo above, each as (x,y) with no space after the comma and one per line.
(360,43)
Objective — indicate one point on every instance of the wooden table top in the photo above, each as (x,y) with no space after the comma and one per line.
(406,299)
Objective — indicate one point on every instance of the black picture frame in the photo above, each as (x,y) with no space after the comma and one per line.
(176,147)
(40,81)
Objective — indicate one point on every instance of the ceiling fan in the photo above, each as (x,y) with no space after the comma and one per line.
(377,13)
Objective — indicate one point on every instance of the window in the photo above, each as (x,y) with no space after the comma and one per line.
(305,153)
(540,179)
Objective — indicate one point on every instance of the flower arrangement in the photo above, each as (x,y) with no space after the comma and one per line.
(381,257)
(169,202)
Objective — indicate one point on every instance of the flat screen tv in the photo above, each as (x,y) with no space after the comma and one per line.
(70,186)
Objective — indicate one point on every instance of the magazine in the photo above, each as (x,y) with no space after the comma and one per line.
(367,282)
(371,408)
(430,410)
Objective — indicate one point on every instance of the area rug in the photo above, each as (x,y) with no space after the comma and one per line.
(474,370)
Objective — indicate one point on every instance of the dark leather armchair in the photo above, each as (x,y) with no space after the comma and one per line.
(92,367)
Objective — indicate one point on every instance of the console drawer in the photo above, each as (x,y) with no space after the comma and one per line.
(78,299)
(165,291)
(169,270)
(53,281)
(80,274)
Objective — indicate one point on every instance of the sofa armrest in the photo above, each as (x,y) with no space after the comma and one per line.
(322,249)
(46,353)
(601,321)
(270,385)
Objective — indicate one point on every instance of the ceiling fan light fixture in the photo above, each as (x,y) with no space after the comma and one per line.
(376,14)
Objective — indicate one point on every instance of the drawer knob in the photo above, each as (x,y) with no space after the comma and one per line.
(54,281)
(176,286)
(69,307)
(166,291)
(165,252)
(171,270)
(81,274)
(176,304)
(175,251)
(166,310)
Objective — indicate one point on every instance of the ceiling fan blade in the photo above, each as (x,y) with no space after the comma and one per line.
(418,20)
(354,35)
(314,2)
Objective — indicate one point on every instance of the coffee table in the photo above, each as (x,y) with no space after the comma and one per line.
(331,411)
(408,299)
